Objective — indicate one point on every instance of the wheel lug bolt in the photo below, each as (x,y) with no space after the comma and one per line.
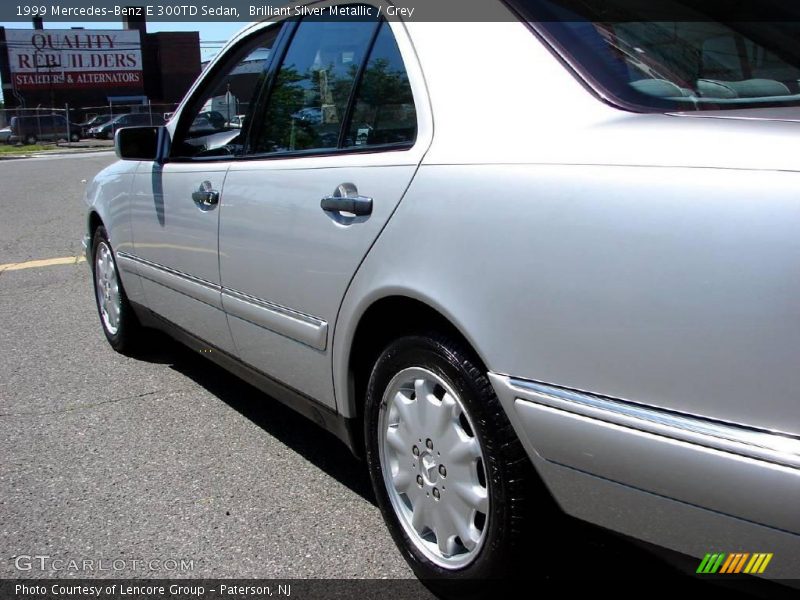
(429,444)
(436,493)
(415,451)
(442,471)
(419,480)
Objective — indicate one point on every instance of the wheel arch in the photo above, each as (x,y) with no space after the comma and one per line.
(94,220)
(385,319)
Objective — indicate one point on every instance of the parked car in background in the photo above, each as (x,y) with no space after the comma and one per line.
(5,135)
(30,129)
(95,121)
(596,304)
(106,130)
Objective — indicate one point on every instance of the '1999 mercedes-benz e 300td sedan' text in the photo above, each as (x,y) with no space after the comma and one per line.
(596,291)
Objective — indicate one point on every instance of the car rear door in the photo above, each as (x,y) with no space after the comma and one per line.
(340,137)
(175,209)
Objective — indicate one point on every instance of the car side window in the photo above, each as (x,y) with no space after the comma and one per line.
(308,102)
(384,111)
(213,124)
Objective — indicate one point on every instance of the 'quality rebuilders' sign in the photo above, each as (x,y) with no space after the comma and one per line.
(74,58)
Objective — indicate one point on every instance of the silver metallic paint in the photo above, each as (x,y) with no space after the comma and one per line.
(671,287)
(108,195)
(752,443)
(181,238)
(673,456)
(194,287)
(651,258)
(306,329)
(681,526)
(272,225)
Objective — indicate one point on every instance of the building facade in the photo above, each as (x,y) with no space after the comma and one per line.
(83,68)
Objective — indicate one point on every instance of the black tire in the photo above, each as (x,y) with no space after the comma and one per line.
(509,474)
(129,332)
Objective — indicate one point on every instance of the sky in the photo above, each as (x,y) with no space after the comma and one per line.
(212,35)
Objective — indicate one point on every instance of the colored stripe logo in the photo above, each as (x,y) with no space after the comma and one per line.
(737,562)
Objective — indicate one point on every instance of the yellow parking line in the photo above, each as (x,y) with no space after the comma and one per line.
(45,262)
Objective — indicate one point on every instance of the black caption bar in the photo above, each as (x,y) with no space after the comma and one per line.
(409,10)
(622,585)
(211,589)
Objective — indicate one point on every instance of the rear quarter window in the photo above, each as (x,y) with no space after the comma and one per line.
(691,63)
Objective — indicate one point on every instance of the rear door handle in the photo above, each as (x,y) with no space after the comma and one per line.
(346,199)
(357,206)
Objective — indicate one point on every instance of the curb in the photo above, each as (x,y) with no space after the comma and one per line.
(55,151)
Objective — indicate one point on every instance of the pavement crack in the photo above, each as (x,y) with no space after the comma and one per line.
(90,405)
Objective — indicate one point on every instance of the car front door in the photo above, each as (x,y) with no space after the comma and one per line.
(175,209)
(332,153)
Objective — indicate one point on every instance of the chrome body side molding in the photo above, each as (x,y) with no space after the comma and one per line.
(194,287)
(303,328)
(752,443)
(734,470)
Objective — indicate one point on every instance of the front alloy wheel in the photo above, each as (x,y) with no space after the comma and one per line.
(120,325)
(107,288)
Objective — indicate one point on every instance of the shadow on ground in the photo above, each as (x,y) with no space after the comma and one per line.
(295,431)
(562,549)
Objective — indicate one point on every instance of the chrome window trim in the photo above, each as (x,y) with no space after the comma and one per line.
(753,443)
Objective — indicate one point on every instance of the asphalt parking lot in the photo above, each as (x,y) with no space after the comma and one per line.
(165,456)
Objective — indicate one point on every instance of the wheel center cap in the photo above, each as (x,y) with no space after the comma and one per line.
(428,467)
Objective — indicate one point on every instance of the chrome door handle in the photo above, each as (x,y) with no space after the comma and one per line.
(206,196)
(346,199)
(209,198)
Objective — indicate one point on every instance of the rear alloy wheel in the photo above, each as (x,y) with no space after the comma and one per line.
(451,478)
(120,325)
(433,467)
(30,140)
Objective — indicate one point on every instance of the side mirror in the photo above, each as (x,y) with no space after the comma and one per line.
(139,143)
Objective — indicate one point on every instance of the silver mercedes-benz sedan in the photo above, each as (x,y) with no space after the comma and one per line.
(553,255)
